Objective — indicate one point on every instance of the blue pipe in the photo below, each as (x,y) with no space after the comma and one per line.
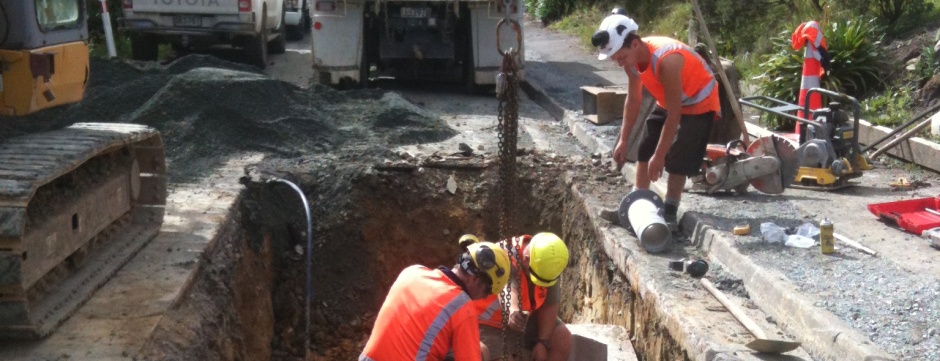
(303,198)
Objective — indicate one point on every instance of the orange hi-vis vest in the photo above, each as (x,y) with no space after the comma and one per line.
(699,88)
(490,308)
(425,315)
(809,35)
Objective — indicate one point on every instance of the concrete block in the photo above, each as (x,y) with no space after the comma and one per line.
(603,105)
(935,124)
(593,342)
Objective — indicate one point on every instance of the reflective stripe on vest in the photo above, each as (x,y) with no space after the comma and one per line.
(442,319)
(701,94)
(419,317)
(699,86)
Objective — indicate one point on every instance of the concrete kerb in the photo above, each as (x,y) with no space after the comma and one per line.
(822,333)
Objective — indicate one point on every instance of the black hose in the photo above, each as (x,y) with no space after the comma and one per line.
(303,198)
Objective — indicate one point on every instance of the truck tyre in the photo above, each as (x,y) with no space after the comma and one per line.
(256,48)
(279,45)
(144,47)
(296,32)
(308,22)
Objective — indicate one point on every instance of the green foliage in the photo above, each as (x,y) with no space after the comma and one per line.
(928,64)
(858,63)
(549,10)
(890,108)
(582,22)
(735,35)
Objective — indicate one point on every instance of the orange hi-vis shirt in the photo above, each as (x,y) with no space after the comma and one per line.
(490,308)
(699,88)
(426,314)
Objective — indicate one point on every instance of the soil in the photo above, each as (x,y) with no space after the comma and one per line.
(208,109)
(378,193)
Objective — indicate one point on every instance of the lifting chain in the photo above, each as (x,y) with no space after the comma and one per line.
(507,91)
(515,280)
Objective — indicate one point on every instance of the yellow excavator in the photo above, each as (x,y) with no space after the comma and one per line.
(75,203)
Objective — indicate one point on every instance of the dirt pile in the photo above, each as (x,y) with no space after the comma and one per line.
(208,109)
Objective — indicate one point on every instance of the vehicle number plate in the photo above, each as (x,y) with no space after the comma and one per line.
(187,20)
(414,12)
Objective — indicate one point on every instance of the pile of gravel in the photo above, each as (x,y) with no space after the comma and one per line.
(208,109)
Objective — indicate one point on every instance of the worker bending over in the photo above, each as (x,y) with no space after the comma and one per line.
(687,105)
(428,313)
(534,320)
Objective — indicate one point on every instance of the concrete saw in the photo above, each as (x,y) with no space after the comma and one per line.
(769,164)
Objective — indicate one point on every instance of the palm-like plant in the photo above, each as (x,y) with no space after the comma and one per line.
(858,63)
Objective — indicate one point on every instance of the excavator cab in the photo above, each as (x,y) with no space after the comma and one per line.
(43,54)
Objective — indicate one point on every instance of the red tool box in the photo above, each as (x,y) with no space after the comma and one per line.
(914,215)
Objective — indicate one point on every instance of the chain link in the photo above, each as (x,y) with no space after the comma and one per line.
(508,135)
(515,280)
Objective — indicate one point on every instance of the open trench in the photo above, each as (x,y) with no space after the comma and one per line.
(249,301)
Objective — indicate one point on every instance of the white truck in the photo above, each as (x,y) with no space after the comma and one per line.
(250,24)
(354,40)
(297,19)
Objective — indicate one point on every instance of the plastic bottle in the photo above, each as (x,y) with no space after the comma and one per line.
(827,242)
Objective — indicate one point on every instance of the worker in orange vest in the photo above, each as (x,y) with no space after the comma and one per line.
(687,105)
(534,302)
(429,314)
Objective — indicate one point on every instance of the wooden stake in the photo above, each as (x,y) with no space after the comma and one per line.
(854,244)
(721,74)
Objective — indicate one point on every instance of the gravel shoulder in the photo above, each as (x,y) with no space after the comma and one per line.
(891,298)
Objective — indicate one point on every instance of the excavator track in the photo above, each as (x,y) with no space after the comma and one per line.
(75,205)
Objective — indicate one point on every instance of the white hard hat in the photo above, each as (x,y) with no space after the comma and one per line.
(610,35)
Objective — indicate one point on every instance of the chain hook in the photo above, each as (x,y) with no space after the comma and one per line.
(516,28)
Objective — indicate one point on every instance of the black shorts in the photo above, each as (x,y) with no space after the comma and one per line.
(688,148)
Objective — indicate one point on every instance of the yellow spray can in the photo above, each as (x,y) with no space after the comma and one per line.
(826,240)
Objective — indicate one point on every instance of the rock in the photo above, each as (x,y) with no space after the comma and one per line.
(452,185)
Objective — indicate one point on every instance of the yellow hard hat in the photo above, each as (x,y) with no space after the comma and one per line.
(492,260)
(466,240)
(548,257)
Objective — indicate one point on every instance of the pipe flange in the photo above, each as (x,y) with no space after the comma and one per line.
(632,197)
(654,237)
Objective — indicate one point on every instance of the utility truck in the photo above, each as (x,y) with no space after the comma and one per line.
(249,24)
(354,40)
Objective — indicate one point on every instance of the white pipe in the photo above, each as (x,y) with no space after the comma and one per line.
(649,225)
(108,34)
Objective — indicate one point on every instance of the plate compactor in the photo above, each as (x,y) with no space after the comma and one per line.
(827,149)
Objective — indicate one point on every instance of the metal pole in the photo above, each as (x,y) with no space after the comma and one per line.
(303,198)
(108,34)
(901,138)
(721,74)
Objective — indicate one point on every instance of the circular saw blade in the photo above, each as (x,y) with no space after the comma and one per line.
(782,149)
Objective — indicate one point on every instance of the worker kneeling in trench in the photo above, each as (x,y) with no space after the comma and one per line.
(533,304)
(428,313)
